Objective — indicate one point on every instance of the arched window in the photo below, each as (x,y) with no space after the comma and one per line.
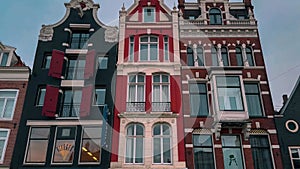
(224,55)
(190,56)
(200,56)
(214,56)
(239,56)
(161,93)
(136,93)
(215,17)
(249,56)
(135,144)
(162,144)
(149,48)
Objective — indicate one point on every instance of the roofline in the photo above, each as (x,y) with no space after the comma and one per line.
(282,110)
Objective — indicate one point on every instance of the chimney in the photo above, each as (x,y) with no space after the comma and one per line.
(284,98)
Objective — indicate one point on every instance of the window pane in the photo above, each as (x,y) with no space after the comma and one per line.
(230,99)
(9,108)
(165,78)
(64,151)
(156,130)
(166,130)
(157,150)
(141,78)
(203,158)
(156,93)
(254,105)
(90,150)
(47,61)
(166,150)
(92,132)
(100,96)
(231,141)
(102,62)
(4,59)
(190,56)
(200,57)
(140,93)
(144,52)
(149,15)
(41,96)
(232,158)
(139,150)
(40,133)
(228,81)
(251,88)
(202,140)
(37,150)
(156,78)
(153,52)
(139,130)
(129,150)
(261,152)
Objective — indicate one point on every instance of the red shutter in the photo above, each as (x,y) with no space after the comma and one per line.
(50,102)
(86,101)
(57,62)
(90,64)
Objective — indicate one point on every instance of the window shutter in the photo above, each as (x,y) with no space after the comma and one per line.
(50,102)
(90,64)
(86,101)
(56,65)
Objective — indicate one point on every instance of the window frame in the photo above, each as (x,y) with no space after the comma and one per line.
(38,97)
(239,54)
(14,106)
(77,71)
(291,157)
(5,144)
(81,142)
(2,53)
(95,96)
(225,55)
(82,40)
(62,103)
(212,148)
(269,148)
(161,84)
(136,86)
(213,17)
(258,94)
(201,53)
(154,14)
(161,137)
(234,147)
(199,93)
(149,43)
(134,137)
(249,54)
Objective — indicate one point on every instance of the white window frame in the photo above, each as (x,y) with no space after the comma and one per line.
(149,43)
(252,56)
(131,48)
(227,53)
(161,136)
(40,89)
(241,148)
(8,57)
(290,152)
(134,143)
(160,84)
(136,84)
(14,106)
(95,99)
(5,144)
(260,96)
(154,13)
(203,55)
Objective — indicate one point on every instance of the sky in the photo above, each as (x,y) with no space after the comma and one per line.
(278,23)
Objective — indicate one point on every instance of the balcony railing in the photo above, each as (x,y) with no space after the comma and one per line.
(69,110)
(135,106)
(75,73)
(204,22)
(161,106)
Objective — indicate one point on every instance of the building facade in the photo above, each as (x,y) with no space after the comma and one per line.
(67,112)
(148,124)
(14,75)
(228,111)
(287,124)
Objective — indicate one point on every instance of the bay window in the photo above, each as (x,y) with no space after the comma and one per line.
(161,93)
(136,93)
(148,48)
(135,144)
(162,144)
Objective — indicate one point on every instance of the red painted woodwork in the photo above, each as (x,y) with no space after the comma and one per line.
(86,101)
(126,48)
(161,48)
(136,48)
(90,64)
(148,91)
(50,102)
(56,65)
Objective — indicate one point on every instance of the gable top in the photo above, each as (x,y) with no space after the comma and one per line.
(292,98)
(144,3)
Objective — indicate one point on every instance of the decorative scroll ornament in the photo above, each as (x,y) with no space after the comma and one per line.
(46,33)
(81,6)
(111,34)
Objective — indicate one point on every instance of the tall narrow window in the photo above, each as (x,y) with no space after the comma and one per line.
(90,145)
(102,62)
(79,40)
(249,56)
(75,69)
(149,14)
(239,56)
(229,93)
(203,151)
(224,54)
(261,152)
(214,56)
(47,61)
(135,144)
(7,103)
(4,135)
(253,99)
(198,99)
(215,17)
(161,93)
(41,96)
(295,156)
(71,101)
(64,145)
(136,93)
(4,59)
(100,96)
(200,56)
(166,48)
(149,48)
(37,145)
(190,56)
(162,144)
(232,152)
(131,48)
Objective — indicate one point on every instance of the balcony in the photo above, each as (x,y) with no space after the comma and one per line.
(69,110)
(135,106)
(161,106)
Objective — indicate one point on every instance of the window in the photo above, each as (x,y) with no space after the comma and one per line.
(41,96)
(100,96)
(229,93)
(190,56)
(75,69)
(149,48)
(249,56)
(203,151)
(64,145)
(47,61)
(214,56)
(253,99)
(70,105)
(149,14)
(261,152)
(102,62)
(136,93)
(239,56)
(166,48)
(4,134)
(224,55)
(90,145)
(162,144)
(200,56)
(161,93)
(7,103)
(37,145)
(295,156)
(4,58)
(232,152)
(198,99)
(191,17)
(131,48)
(135,144)
(215,17)
(79,40)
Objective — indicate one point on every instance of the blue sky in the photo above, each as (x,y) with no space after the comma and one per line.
(278,20)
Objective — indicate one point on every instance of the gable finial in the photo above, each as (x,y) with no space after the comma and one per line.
(123,7)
